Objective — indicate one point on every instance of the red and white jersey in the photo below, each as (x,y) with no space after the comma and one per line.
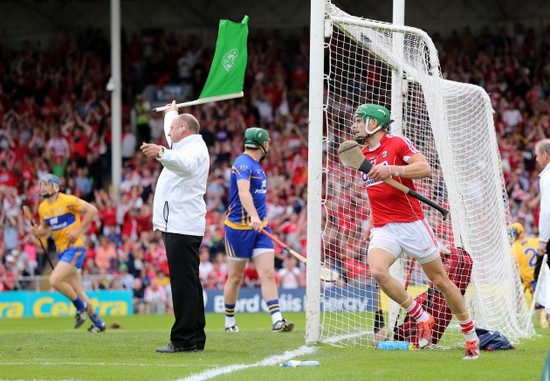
(389,204)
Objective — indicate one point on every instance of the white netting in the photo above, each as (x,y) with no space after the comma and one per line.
(451,123)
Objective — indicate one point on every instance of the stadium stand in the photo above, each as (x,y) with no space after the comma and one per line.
(55,117)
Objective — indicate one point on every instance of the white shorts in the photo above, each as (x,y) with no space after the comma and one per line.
(414,238)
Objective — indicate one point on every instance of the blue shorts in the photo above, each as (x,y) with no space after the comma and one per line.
(70,254)
(241,243)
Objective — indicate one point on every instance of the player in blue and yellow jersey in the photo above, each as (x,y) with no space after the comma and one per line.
(246,217)
(60,215)
(524,250)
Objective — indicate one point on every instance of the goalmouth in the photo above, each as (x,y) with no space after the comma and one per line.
(451,123)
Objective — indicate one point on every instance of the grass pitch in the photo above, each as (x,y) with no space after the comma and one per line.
(50,349)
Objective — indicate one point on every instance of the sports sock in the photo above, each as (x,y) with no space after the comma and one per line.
(229,315)
(96,319)
(274,310)
(468,329)
(79,304)
(417,312)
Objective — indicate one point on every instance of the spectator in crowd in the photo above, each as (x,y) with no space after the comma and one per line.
(83,183)
(13,220)
(142,109)
(355,267)
(515,73)
(30,250)
(216,194)
(129,143)
(291,231)
(291,276)
(164,281)
(11,274)
(126,279)
(3,278)
(155,298)
(107,212)
(220,269)
(205,266)
(105,253)
(251,278)
(58,152)
(138,290)
(157,127)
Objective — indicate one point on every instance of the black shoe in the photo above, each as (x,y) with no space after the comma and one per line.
(80,317)
(170,348)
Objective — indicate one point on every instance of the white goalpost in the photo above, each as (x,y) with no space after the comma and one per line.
(367,61)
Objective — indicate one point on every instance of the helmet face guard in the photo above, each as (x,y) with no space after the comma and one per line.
(368,112)
(257,138)
(515,230)
(49,185)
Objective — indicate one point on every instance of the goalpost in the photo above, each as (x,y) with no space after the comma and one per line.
(451,123)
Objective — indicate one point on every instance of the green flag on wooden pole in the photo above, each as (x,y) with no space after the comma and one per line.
(226,77)
(226,74)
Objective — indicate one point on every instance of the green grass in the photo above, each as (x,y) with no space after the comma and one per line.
(49,349)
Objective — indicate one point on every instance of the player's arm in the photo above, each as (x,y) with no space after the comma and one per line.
(245,196)
(41,230)
(89,212)
(417,168)
(169,115)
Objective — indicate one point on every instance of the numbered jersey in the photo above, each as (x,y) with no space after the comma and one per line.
(61,216)
(525,252)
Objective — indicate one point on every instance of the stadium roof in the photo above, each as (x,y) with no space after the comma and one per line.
(31,18)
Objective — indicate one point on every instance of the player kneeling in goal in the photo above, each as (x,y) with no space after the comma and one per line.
(244,241)
(458,266)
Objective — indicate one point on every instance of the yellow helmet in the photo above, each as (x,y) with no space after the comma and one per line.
(515,230)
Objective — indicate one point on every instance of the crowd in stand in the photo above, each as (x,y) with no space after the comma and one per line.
(55,117)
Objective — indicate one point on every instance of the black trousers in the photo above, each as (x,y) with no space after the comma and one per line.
(187,294)
(539,263)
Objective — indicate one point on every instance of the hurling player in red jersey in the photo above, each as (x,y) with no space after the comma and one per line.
(397,223)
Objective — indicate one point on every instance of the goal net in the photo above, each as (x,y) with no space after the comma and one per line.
(451,123)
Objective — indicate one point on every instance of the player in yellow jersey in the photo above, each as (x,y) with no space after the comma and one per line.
(524,249)
(60,215)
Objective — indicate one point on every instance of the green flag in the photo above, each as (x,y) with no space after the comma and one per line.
(226,74)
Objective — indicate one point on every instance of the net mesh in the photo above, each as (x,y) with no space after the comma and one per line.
(451,124)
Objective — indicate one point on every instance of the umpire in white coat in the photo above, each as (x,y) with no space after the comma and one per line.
(179,212)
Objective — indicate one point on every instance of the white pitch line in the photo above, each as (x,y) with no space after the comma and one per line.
(269,361)
(49,363)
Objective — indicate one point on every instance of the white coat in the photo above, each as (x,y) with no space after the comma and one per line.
(179,205)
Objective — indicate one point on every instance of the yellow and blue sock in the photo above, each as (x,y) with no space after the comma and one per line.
(79,304)
(274,310)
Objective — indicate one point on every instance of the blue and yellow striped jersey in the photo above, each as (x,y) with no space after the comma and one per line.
(61,216)
(245,167)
